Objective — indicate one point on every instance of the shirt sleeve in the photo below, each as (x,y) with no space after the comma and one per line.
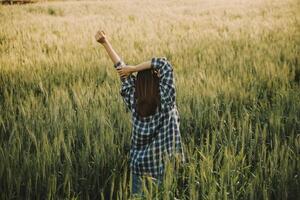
(166,81)
(127,90)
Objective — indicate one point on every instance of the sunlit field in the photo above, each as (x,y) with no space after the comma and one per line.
(64,128)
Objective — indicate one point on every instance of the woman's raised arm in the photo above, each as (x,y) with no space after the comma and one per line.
(102,39)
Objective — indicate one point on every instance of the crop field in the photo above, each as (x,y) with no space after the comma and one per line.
(64,128)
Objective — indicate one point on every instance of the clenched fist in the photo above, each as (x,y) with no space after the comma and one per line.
(101,37)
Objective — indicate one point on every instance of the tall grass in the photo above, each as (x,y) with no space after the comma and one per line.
(64,129)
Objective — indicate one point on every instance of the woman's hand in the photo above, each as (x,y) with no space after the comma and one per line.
(126,70)
(101,37)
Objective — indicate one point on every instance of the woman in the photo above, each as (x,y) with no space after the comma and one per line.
(150,96)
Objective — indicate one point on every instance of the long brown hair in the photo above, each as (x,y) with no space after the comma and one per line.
(147,92)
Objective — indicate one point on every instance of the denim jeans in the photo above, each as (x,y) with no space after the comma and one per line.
(137,187)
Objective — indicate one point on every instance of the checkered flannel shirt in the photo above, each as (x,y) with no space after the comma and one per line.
(157,135)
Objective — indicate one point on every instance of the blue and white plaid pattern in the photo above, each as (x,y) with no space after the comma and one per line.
(157,135)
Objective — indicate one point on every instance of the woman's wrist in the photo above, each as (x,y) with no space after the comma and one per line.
(134,69)
(105,43)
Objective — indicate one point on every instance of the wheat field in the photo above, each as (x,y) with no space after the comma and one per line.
(65,131)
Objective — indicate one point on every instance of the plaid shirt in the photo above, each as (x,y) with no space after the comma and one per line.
(157,135)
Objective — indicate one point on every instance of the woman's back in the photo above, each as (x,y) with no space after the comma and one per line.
(157,135)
